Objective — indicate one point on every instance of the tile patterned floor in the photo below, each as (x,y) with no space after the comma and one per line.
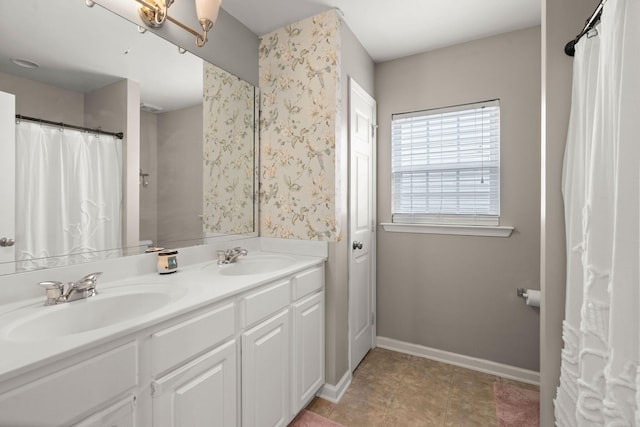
(391,389)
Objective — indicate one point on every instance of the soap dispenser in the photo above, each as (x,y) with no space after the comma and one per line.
(167,261)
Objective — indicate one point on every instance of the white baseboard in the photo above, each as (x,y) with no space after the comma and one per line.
(333,393)
(482,365)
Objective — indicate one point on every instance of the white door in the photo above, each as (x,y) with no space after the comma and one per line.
(362,131)
(200,393)
(7,175)
(265,373)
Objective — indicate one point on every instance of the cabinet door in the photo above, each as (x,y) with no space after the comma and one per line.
(308,350)
(265,373)
(200,393)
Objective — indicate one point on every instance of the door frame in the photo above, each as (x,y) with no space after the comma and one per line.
(8,192)
(354,87)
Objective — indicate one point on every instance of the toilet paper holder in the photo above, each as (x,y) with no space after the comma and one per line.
(531,296)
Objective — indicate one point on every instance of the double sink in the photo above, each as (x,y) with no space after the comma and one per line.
(119,304)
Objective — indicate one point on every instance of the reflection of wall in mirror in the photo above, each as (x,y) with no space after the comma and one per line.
(171,153)
(228,153)
(115,106)
(44,101)
(180,177)
(149,164)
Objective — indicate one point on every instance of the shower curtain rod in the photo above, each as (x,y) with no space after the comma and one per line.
(570,48)
(118,135)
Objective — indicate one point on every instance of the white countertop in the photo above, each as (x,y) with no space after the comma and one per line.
(196,286)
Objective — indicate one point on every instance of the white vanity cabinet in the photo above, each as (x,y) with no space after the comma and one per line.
(308,350)
(283,355)
(265,373)
(265,355)
(120,414)
(63,395)
(253,358)
(201,391)
(308,337)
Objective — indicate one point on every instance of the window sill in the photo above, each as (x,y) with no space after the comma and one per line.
(458,230)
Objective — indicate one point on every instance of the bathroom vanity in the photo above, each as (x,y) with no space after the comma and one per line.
(211,345)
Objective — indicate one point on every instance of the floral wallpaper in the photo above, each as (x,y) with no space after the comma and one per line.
(300,84)
(229,166)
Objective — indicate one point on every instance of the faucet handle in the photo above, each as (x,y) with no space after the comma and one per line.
(50,285)
(53,290)
(87,282)
(91,277)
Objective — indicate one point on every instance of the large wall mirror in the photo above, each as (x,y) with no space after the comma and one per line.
(184,172)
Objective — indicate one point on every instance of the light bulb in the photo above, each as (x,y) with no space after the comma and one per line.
(208,10)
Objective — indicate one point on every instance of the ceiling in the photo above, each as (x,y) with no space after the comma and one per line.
(74,54)
(390,30)
(387,32)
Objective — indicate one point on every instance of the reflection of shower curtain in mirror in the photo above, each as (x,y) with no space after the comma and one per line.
(68,196)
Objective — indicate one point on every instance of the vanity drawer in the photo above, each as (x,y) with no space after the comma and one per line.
(59,398)
(116,415)
(176,344)
(265,302)
(308,282)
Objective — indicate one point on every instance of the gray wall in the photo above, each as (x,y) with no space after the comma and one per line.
(116,108)
(561,21)
(180,177)
(356,63)
(149,163)
(44,101)
(231,46)
(458,293)
(171,152)
(106,107)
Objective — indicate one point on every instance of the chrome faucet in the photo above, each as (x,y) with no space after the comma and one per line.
(231,255)
(58,293)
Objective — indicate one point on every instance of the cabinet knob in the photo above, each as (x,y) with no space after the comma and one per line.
(357,245)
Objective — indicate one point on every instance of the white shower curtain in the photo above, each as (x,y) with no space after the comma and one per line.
(68,196)
(600,381)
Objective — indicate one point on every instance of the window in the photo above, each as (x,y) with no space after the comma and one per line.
(446,165)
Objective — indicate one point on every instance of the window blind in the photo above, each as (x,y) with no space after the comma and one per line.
(446,165)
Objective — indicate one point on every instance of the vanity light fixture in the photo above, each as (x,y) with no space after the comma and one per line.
(155,12)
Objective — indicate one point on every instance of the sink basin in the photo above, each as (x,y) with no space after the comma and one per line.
(256,264)
(110,307)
